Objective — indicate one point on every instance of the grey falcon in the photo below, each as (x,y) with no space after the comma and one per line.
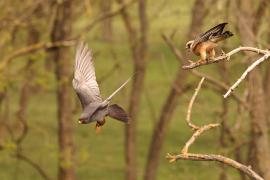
(86,87)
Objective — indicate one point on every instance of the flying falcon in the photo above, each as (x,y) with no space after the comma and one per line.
(84,83)
(204,45)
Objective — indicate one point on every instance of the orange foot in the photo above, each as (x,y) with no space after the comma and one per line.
(98,126)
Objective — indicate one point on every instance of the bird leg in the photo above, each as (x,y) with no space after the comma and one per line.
(98,125)
(212,54)
(203,56)
(222,53)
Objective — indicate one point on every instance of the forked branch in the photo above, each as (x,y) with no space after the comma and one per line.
(210,79)
(190,124)
(250,68)
(185,155)
(218,158)
(265,53)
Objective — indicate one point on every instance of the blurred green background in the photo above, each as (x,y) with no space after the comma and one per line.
(101,156)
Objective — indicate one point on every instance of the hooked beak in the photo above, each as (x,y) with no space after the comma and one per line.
(81,121)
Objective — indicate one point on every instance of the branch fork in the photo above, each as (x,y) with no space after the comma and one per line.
(265,55)
(185,155)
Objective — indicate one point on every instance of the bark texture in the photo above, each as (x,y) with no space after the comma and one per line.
(138,46)
(259,152)
(198,13)
(61,31)
(267,75)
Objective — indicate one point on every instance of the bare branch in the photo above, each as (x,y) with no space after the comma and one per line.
(173,47)
(196,134)
(265,53)
(103,17)
(221,87)
(199,130)
(250,68)
(190,124)
(33,48)
(185,155)
(212,80)
(36,166)
(223,57)
(213,157)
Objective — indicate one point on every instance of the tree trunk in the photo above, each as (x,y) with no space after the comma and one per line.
(106,25)
(25,94)
(259,147)
(61,31)
(223,71)
(267,77)
(138,46)
(198,14)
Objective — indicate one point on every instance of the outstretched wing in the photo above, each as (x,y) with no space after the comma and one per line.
(217,30)
(84,81)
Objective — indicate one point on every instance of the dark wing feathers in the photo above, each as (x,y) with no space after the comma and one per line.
(84,81)
(218,29)
(118,113)
(215,31)
(221,37)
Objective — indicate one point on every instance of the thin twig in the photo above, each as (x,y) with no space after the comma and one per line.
(196,134)
(221,86)
(33,48)
(190,124)
(36,166)
(104,17)
(250,68)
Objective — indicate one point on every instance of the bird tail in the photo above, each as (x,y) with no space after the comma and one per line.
(118,113)
(222,36)
(227,34)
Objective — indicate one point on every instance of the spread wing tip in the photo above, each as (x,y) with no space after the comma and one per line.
(83,59)
(222,24)
(84,81)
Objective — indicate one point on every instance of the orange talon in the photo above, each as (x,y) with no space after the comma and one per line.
(98,126)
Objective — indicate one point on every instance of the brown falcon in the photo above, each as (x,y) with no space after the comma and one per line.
(204,45)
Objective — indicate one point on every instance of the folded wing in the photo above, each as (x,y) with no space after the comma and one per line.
(84,81)
(215,31)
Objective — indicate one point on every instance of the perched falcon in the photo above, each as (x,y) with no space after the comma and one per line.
(84,83)
(204,45)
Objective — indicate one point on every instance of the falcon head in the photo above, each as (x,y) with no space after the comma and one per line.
(84,117)
(83,120)
(189,44)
